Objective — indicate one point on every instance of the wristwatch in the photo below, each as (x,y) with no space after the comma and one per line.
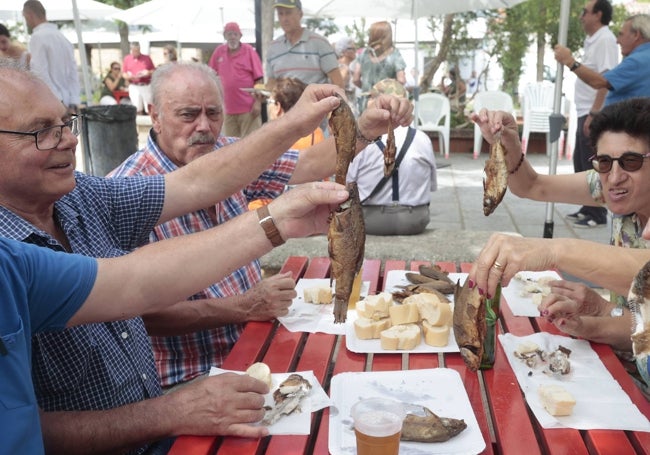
(269,227)
(576,64)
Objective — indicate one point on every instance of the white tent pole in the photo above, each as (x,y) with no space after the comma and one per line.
(416,88)
(557,119)
(82,54)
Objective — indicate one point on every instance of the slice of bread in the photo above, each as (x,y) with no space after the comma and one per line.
(261,371)
(406,313)
(556,399)
(435,335)
(319,295)
(431,309)
(404,336)
(369,329)
(526,347)
(375,306)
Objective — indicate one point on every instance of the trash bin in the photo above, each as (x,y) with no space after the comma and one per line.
(109,135)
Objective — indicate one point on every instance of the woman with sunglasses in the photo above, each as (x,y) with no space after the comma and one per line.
(620,180)
(112,84)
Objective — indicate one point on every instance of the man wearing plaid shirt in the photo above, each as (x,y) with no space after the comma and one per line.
(215,317)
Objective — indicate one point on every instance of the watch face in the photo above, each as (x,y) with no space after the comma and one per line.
(616,312)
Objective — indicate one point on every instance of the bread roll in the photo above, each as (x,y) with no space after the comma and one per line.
(435,335)
(368,329)
(262,372)
(375,306)
(404,336)
(406,313)
(556,400)
(319,295)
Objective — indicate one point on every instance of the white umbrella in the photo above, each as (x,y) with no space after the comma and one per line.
(58,10)
(65,10)
(177,17)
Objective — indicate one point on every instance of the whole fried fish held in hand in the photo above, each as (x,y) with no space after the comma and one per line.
(344,130)
(346,244)
(470,325)
(429,427)
(495,182)
(390,150)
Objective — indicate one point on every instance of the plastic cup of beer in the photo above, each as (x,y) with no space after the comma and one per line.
(377,426)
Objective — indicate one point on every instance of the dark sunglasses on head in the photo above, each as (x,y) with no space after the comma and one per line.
(628,161)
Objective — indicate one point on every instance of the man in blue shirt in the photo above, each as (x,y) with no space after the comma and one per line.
(631,77)
(44,290)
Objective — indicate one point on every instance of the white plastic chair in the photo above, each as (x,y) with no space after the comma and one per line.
(494,100)
(434,114)
(537,106)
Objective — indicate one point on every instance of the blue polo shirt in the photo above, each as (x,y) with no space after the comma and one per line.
(39,290)
(631,77)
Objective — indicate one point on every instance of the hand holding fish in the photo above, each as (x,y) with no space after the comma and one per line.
(374,120)
(305,209)
(314,104)
(495,124)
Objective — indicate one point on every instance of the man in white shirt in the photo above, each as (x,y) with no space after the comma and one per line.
(401,205)
(52,56)
(600,54)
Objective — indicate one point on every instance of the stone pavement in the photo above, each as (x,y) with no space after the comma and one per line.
(458,229)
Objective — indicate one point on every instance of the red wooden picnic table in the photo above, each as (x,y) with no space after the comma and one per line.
(507,424)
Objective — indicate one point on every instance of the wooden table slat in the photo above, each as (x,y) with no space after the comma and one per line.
(371,272)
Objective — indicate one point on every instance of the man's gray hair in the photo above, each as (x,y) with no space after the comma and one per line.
(640,23)
(164,72)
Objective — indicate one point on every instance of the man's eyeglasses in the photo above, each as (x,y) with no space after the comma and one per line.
(49,138)
(629,161)
(584,12)
(116,68)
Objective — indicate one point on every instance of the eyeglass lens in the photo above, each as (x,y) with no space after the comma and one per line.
(49,138)
(629,161)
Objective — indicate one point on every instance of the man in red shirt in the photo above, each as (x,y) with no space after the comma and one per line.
(238,66)
(137,69)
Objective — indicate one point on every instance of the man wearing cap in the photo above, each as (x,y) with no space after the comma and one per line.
(239,67)
(300,53)
(137,69)
(398,205)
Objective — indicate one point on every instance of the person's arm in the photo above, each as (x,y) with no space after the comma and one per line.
(590,77)
(335,77)
(319,161)
(162,273)
(268,299)
(216,176)
(227,404)
(523,180)
(111,84)
(608,266)
(596,106)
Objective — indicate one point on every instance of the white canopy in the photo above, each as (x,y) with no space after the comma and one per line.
(58,10)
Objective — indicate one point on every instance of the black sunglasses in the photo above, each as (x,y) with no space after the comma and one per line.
(629,161)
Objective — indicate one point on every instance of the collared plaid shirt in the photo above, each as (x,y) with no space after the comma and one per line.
(107,365)
(181,358)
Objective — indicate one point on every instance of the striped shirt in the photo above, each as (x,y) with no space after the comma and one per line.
(309,60)
(181,358)
(106,365)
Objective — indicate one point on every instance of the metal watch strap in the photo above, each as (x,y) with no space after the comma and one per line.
(270,229)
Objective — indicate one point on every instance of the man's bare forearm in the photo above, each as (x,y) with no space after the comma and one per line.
(110,431)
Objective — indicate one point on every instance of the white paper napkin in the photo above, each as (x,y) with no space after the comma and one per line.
(519,300)
(601,403)
(297,422)
(312,318)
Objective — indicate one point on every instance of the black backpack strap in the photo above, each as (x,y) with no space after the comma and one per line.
(407,143)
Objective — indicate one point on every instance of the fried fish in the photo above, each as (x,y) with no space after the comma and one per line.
(344,130)
(495,182)
(470,325)
(346,244)
(425,426)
